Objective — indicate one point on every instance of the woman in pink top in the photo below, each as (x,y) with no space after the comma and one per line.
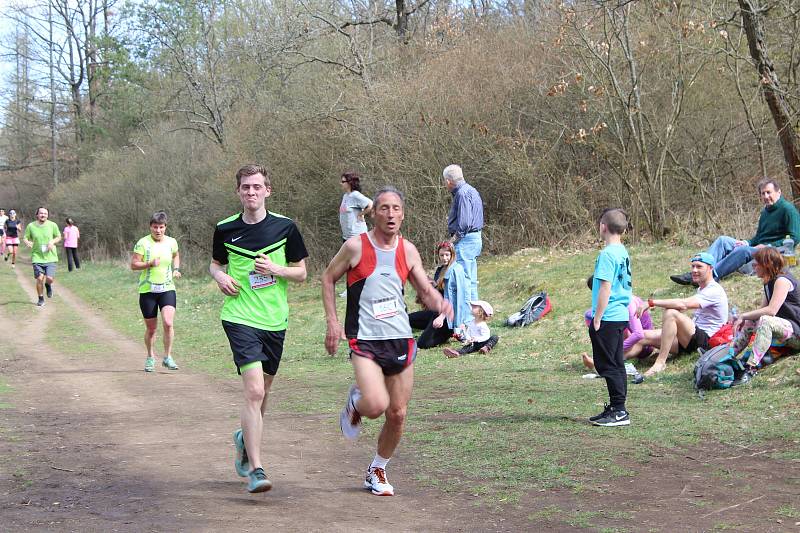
(71,236)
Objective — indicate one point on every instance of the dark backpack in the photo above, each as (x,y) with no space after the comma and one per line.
(535,308)
(717,368)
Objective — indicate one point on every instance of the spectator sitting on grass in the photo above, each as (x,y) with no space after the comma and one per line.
(681,334)
(777,321)
(454,286)
(477,335)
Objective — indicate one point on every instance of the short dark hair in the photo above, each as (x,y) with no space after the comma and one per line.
(386,189)
(771,262)
(252,170)
(763,182)
(615,219)
(354,179)
(159,217)
(42,207)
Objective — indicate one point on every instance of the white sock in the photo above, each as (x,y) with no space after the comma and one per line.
(379,462)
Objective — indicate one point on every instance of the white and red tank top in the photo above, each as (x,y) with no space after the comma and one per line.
(376,308)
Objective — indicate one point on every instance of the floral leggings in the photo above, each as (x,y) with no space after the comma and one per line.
(769,331)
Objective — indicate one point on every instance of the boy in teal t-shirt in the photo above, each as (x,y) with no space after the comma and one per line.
(42,237)
(611,294)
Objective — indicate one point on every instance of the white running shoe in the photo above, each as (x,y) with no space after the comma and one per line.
(349,419)
(376,482)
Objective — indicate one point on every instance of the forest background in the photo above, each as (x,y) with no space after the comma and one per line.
(672,110)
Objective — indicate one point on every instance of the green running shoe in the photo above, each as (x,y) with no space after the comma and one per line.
(169,362)
(258,481)
(150,364)
(242,463)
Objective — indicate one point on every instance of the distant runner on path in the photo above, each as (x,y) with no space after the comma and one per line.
(11,228)
(3,218)
(157,257)
(255,254)
(42,237)
(382,347)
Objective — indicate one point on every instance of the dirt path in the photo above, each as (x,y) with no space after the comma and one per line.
(99,445)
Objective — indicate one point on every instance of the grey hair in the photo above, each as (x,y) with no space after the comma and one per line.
(453,173)
(386,189)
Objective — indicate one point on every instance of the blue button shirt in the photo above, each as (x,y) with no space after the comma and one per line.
(466,213)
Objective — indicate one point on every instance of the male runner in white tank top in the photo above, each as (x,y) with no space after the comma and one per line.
(382,349)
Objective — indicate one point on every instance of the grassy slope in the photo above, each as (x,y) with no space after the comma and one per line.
(519,409)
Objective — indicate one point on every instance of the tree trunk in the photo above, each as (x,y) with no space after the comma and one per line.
(402,18)
(781,114)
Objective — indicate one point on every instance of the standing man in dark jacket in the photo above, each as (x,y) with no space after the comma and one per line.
(464,224)
(778,219)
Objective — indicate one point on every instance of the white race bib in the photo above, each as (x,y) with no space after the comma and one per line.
(259,281)
(44,248)
(385,308)
(158,287)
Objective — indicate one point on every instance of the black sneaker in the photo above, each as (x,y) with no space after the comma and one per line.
(606,410)
(40,303)
(683,279)
(614,418)
(49,289)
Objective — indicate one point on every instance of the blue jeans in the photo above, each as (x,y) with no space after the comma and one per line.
(468,248)
(728,256)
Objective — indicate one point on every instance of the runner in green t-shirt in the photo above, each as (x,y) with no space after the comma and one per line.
(156,256)
(42,237)
(255,254)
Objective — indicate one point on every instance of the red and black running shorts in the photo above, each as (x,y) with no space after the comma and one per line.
(392,355)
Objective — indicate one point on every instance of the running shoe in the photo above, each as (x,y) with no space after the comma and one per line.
(258,481)
(150,364)
(606,410)
(169,363)
(614,418)
(349,419)
(40,303)
(49,289)
(242,463)
(376,482)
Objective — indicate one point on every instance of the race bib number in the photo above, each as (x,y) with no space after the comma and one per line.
(259,281)
(385,308)
(158,288)
(44,248)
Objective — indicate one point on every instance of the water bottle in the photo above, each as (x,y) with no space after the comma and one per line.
(788,251)
(733,314)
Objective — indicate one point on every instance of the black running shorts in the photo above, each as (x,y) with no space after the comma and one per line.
(393,355)
(699,340)
(250,345)
(151,302)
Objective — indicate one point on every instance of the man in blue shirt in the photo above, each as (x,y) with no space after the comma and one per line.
(464,224)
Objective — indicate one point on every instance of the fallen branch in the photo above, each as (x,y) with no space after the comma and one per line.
(732,506)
